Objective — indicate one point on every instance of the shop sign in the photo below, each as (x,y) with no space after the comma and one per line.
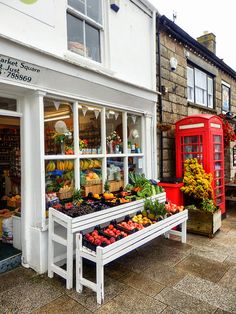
(19,71)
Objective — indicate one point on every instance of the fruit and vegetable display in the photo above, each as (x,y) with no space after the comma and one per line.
(131,224)
(61,195)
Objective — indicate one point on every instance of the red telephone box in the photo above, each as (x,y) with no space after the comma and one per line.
(201,136)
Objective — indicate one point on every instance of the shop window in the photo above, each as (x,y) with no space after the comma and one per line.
(225,97)
(115,173)
(58,128)
(91,175)
(114,132)
(84,25)
(59,180)
(89,130)
(7,104)
(135,165)
(200,87)
(134,128)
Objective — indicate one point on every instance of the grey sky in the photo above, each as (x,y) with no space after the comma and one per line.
(197,16)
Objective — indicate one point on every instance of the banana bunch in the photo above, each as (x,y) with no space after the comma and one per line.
(60,165)
(90,163)
(68,165)
(51,166)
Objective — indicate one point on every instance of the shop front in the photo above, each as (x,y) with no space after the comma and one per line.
(78,129)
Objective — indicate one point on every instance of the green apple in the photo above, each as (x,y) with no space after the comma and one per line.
(28,1)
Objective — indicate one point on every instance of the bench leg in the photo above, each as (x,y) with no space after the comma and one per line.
(166,235)
(69,260)
(79,272)
(50,248)
(100,277)
(184,232)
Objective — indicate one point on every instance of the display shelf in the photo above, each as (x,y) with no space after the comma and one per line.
(230,198)
(105,255)
(74,225)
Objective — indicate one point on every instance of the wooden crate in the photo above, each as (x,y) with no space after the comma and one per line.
(95,189)
(116,185)
(205,223)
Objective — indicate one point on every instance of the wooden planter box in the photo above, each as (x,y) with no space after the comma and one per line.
(204,223)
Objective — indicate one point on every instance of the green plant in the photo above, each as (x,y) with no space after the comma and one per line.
(77,195)
(106,186)
(209,206)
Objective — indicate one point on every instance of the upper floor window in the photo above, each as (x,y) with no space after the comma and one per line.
(84,25)
(200,87)
(225,97)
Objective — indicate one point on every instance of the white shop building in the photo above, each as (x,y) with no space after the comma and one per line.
(77,95)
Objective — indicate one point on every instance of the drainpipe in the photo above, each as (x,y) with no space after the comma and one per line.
(160,98)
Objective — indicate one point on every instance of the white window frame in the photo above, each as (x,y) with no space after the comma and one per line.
(207,93)
(76,157)
(98,26)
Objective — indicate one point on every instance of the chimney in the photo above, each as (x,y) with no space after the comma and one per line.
(208,40)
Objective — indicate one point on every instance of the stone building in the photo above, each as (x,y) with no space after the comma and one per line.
(192,80)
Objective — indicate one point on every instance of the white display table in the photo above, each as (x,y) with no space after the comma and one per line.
(105,255)
(62,229)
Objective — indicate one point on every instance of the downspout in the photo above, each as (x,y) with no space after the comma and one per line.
(160,99)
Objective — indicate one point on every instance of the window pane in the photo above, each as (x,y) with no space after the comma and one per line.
(200,79)
(59,180)
(134,133)
(200,96)
(58,127)
(75,35)
(190,94)
(90,130)
(78,5)
(135,165)
(91,175)
(115,173)
(190,79)
(7,104)
(94,10)
(225,98)
(114,132)
(92,43)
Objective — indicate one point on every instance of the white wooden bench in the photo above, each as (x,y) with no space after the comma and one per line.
(105,255)
(62,229)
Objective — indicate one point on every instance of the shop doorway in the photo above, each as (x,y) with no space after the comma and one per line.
(10,192)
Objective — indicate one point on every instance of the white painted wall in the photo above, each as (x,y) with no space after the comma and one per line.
(129,35)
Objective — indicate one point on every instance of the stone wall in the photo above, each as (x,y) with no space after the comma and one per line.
(174,102)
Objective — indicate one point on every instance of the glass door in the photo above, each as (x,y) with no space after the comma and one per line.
(218,184)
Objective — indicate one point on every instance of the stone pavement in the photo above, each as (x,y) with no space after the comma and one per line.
(164,276)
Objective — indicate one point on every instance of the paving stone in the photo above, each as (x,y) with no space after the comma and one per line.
(229,279)
(182,302)
(29,296)
(15,277)
(203,267)
(165,275)
(88,298)
(143,283)
(231,259)
(209,253)
(197,240)
(209,292)
(219,311)
(131,301)
(63,305)
(171,310)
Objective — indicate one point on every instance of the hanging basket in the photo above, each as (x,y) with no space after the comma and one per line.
(164,127)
